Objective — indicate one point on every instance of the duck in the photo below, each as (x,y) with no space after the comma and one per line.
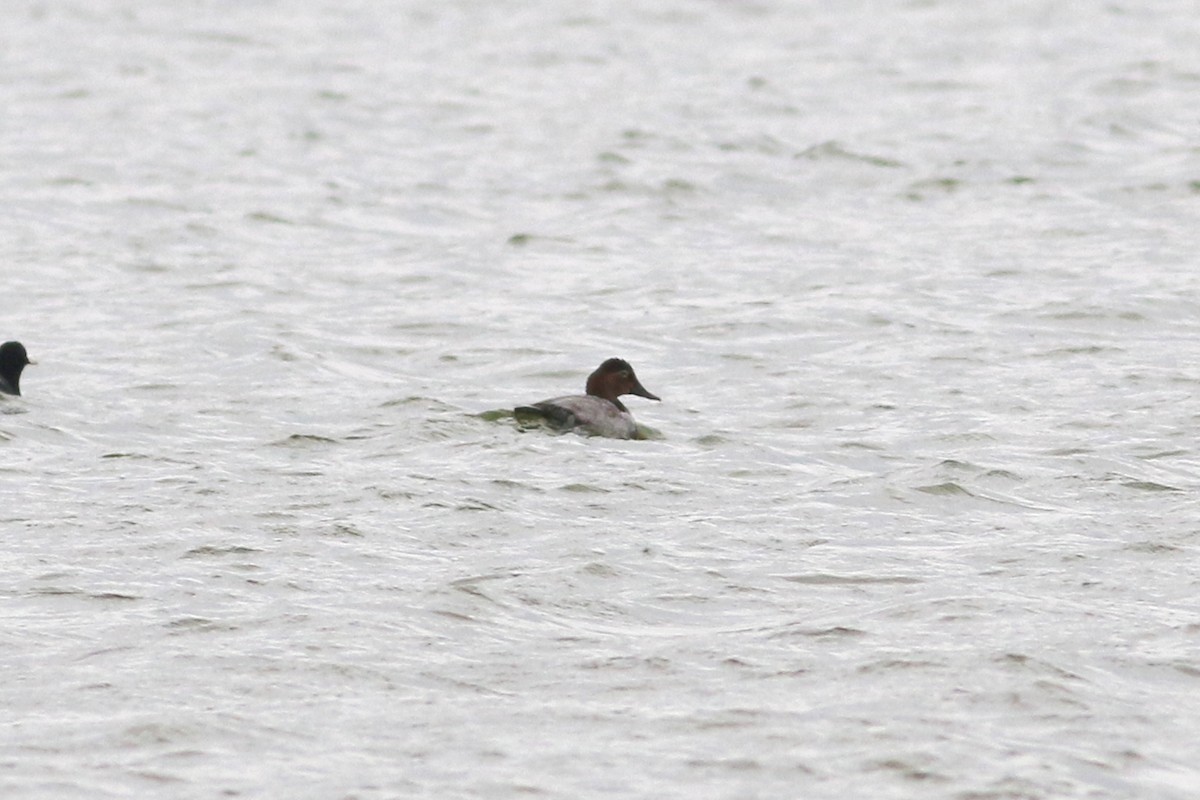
(599,411)
(13,359)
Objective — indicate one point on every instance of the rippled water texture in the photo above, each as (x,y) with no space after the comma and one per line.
(916,282)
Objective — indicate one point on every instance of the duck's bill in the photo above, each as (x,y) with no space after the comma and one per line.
(640,391)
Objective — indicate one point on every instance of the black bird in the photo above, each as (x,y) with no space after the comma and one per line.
(13,359)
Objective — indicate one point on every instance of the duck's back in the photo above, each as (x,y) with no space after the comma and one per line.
(594,414)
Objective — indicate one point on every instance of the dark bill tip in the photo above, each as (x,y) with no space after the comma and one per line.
(640,391)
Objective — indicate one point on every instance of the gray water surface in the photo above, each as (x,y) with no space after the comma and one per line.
(916,282)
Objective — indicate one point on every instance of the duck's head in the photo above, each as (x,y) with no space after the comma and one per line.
(614,378)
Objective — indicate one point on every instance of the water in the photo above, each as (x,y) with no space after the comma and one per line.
(915,282)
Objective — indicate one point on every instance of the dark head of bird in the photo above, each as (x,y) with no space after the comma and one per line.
(13,359)
(614,378)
